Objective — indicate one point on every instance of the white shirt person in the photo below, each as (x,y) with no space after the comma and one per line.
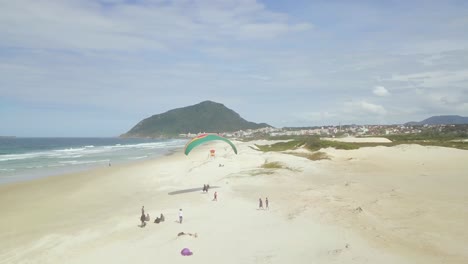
(181,216)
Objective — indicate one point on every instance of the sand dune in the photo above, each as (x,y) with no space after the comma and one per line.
(403,204)
(361,140)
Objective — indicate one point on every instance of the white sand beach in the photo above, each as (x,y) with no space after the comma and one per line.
(402,204)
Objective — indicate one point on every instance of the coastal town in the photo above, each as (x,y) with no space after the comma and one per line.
(340,131)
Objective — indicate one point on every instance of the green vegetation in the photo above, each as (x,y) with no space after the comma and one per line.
(276,165)
(312,156)
(261,172)
(314,143)
(273,165)
(281,146)
(203,117)
(448,136)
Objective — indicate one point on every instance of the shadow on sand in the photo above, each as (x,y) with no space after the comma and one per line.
(190,190)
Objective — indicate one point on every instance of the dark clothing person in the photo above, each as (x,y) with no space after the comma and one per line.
(260,203)
(143,219)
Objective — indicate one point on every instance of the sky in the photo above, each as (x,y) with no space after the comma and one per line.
(98,67)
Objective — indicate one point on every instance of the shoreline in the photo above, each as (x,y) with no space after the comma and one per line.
(400,204)
(74,169)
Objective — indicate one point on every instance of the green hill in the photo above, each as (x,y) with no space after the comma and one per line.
(206,116)
(442,120)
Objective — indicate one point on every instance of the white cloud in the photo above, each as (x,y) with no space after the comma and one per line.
(152,25)
(380,91)
(435,79)
(321,116)
(147,56)
(366,107)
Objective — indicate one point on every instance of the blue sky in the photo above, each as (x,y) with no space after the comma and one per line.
(96,68)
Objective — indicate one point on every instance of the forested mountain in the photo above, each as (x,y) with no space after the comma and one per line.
(206,116)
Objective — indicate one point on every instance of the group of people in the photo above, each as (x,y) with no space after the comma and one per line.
(146,218)
(260,203)
(159,219)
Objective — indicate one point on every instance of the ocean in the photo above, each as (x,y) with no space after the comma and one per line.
(29,158)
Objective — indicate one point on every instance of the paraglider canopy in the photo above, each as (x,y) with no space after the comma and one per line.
(206,138)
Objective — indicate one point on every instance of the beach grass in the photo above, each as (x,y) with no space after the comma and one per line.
(281,146)
(318,155)
(277,165)
(314,143)
(261,172)
(273,165)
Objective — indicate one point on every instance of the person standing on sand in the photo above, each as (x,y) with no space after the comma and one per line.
(143,217)
(260,203)
(266,203)
(181,216)
(215,196)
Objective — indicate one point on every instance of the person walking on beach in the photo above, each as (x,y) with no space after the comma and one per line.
(260,203)
(266,203)
(181,216)
(215,196)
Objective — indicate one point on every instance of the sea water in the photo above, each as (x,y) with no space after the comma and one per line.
(29,158)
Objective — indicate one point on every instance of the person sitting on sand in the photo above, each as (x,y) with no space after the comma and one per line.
(161,218)
(147,218)
(190,234)
(157,220)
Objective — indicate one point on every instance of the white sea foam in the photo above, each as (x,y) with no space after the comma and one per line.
(48,162)
(137,158)
(78,162)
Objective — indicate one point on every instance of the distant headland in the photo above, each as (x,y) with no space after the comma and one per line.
(206,116)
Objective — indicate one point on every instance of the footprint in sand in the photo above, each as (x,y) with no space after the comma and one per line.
(336,252)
